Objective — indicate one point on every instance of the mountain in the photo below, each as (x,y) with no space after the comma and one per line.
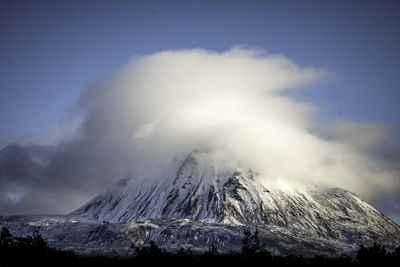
(203,201)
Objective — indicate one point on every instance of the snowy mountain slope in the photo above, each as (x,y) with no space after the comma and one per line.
(202,202)
(96,238)
(203,192)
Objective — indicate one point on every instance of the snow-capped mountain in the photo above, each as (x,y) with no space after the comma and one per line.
(203,192)
(201,202)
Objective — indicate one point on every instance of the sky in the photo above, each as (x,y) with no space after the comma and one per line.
(53,51)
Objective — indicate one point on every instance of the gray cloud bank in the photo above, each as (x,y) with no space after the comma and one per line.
(161,106)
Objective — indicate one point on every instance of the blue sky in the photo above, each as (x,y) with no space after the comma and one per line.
(52,50)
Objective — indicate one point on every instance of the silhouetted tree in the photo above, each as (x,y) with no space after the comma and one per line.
(212,251)
(376,254)
(6,238)
(148,251)
(250,242)
(396,252)
(38,241)
(184,252)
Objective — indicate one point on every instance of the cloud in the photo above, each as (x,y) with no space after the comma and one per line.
(161,106)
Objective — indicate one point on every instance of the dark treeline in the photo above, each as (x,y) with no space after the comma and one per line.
(34,251)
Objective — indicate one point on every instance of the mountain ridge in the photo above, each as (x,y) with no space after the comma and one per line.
(203,203)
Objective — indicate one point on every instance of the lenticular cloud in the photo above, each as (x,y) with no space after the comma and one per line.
(161,106)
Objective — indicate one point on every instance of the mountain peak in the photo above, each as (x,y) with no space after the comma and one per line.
(208,189)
